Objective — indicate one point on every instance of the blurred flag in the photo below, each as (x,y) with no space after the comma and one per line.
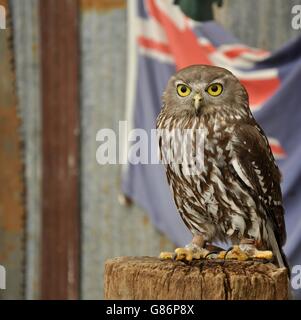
(163,40)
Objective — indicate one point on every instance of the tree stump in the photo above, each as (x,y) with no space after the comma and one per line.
(141,278)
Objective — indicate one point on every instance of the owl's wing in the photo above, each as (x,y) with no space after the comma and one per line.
(255,166)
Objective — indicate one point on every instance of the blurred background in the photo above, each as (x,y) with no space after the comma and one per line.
(64,66)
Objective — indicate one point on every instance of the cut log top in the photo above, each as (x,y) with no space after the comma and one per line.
(136,278)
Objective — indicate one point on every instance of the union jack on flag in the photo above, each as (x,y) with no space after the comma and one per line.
(162,39)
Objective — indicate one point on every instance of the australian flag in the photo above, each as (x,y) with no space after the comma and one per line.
(162,40)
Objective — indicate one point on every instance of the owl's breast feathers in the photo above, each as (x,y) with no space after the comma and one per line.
(237,190)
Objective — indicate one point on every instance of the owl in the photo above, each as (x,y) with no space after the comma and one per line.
(235,195)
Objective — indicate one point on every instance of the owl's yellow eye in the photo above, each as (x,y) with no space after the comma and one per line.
(215,89)
(183,90)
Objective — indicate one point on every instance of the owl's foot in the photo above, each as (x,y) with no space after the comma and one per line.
(190,252)
(197,249)
(245,252)
(166,255)
(187,253)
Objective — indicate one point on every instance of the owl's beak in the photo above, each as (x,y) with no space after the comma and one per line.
(197,102)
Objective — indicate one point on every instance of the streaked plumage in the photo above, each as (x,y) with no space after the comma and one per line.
(237,193)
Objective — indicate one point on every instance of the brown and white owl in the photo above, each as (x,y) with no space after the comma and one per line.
(235,195)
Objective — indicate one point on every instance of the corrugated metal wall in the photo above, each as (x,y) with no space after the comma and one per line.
(11,171)
(108,229)
(260,23)
(27,59)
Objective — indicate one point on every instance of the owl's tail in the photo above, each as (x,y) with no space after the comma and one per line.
(280,257)
(277,249)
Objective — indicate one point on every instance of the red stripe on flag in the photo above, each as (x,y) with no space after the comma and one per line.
(194,53)
(151,44)
(260,90)
(278,150)
(234,53)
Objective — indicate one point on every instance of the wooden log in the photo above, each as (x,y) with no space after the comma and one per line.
(141,278)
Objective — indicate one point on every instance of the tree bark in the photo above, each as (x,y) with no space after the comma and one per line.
(136,278)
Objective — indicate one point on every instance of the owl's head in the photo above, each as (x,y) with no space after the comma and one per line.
(200,89)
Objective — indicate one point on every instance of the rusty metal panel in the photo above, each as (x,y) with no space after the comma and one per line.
(12,211)
(108,229)
(102,5)
(26,49)
(60,149)
(264,24)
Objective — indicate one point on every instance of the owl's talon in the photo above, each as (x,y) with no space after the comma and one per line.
(190,252)
(212,255)
(263,255)
(243,253)
(166,255)
(222,255)
(184,254)
(236,254)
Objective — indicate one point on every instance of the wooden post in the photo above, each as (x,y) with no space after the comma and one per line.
(136,278)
